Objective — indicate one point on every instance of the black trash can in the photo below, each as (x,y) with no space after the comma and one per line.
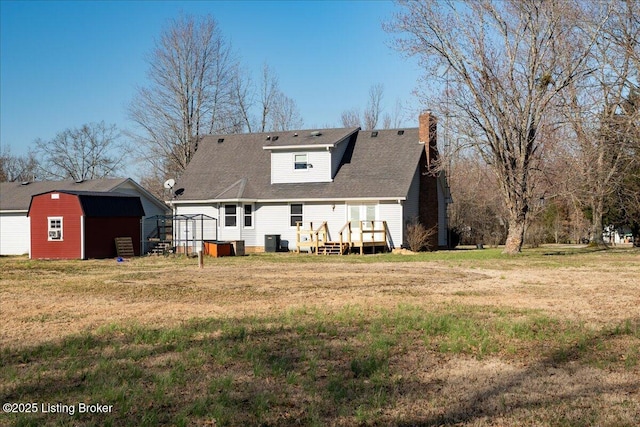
(271,242)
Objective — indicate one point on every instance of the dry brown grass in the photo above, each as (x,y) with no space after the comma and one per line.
(591,378)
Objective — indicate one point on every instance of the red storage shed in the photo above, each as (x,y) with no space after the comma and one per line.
(82,224)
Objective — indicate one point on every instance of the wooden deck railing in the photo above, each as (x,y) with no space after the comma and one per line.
(316,237)
(353,234)
(376,236)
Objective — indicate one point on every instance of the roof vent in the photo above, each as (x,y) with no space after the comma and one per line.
(25,182)
(220,140)
(275,138)
(178,192)
(374,134)
(400,132)
(79,181)
(295,134)
(316,133)
(268,137)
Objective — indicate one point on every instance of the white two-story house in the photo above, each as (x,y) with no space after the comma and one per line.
(309,185)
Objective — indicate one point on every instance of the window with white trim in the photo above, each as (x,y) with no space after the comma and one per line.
(55,228)
(295,213)
(248,216)
(300,162)
(230,215)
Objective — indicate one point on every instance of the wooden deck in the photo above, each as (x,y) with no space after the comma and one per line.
(366,234)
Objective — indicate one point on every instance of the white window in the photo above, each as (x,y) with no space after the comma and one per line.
(295,211)
(365,213)
(248,216)
(55,228)
(300,162)
(230,216)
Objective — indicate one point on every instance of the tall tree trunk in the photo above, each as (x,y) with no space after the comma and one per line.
(515,235)
(596,229)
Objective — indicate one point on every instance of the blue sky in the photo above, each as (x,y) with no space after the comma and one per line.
(64,64)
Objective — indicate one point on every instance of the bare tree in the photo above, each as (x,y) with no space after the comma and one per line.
(506,62)
(275,110)
(269,90)
(603,112)
(16,167)
(393,120)
(191,74)
(285,114)
(92,151)
(372,112)
(351,118)
(243,94)
(478,214)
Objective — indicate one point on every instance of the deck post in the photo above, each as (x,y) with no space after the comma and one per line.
(384,227)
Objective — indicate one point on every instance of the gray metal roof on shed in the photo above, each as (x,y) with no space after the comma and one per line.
(239,168)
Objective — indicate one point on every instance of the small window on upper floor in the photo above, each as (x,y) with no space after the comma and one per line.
(300,161)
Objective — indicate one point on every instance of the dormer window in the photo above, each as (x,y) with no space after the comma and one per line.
(300,162)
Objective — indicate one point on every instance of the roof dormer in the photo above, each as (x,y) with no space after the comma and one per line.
(298,157)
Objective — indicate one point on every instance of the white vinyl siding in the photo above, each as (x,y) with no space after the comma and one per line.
(392,213)
(283,166)
(275,218)
(15,233)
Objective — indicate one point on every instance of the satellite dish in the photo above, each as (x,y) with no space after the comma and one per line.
(168,184)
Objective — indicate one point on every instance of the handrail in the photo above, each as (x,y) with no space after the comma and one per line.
(362,232)
(347,225)
(321,234)
(324,227)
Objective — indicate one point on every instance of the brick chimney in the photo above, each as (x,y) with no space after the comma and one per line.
(428,199)
(428,134)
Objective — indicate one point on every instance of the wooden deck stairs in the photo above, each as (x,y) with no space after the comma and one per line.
(354,236)
(333,248)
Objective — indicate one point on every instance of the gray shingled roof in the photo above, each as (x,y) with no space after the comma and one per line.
(16,196)
(239,167)
(328,137)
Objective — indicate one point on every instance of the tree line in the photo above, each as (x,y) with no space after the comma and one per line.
(542,97)
(196,86)
(539,101)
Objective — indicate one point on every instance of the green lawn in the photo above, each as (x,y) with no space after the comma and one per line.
(411,364)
